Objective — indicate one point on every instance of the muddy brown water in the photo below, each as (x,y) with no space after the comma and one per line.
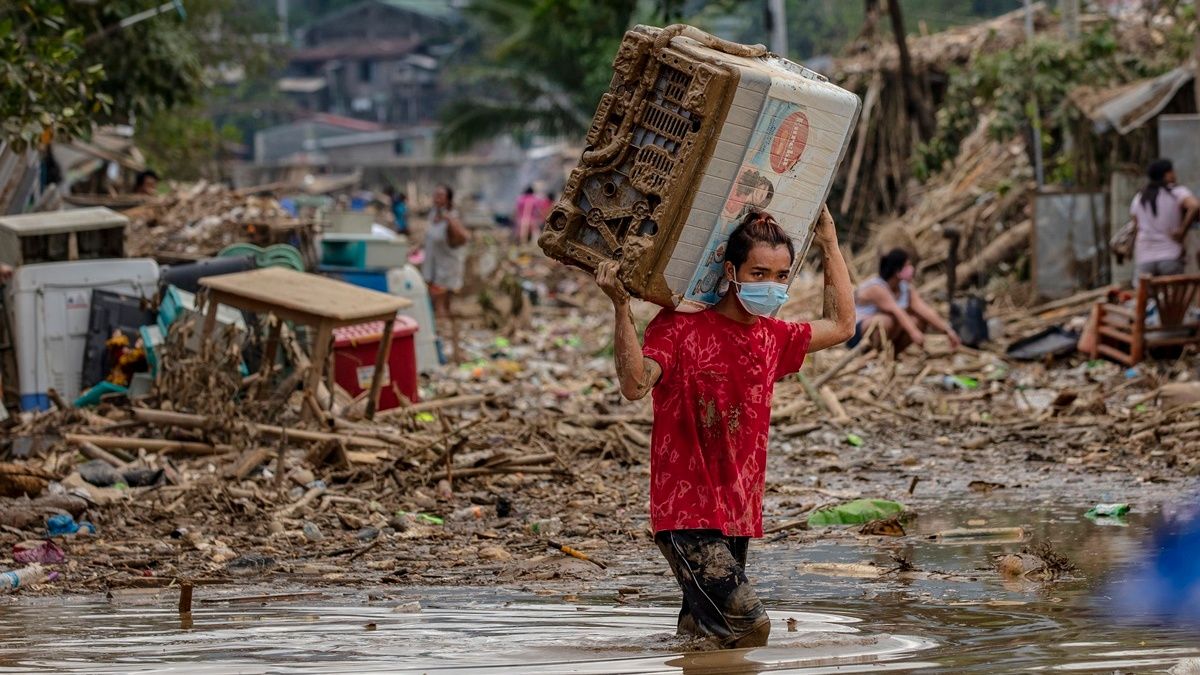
(971,622)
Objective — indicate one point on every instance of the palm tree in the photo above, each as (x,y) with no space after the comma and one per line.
(544,65)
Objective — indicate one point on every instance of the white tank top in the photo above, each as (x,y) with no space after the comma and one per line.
(869,309)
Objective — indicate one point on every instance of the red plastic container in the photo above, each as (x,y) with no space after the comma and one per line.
(354,350)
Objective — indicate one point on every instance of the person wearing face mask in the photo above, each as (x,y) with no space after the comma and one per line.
(713,374)
(891,304)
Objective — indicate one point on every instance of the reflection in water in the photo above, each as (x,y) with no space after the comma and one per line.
(1163,588)
(966,621)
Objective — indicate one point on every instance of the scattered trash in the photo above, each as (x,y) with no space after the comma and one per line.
(99,473)
(63,524)
(1108,514)
(959,382)
(250,564)
(984,486)
(494,553)
(575,553)
(855,440)
(1039,562)
(889,527)
(546,527)
(35,551)
(14,580)
(854,513)
(312,532)
(420,518)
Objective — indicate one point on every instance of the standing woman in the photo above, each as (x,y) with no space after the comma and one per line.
(1162,212)
(445,257)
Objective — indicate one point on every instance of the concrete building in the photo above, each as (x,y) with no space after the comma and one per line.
(377,60)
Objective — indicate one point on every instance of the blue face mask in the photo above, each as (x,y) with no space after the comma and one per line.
(762,298)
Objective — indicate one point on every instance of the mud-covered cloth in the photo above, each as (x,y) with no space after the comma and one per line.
(718,601)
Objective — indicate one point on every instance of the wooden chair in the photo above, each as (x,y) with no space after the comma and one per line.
(1123,335)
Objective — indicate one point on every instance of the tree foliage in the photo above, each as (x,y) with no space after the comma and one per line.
(1009,83)
(68,64)
(47,87)
(543,65)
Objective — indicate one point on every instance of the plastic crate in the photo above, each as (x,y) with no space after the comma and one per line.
(354,351)
(693,132)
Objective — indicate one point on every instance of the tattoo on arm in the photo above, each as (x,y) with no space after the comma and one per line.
(651,371)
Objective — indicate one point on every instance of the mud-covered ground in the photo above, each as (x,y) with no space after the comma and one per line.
(548,450)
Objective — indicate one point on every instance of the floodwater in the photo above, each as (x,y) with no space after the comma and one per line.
(965,621)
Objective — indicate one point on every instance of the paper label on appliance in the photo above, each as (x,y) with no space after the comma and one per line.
(365,373)
(786,171)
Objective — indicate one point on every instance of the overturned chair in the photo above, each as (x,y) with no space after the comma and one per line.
(1123,333)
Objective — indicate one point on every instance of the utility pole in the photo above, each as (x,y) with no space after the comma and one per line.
(915,104)
(281,12)
(778,17)
(1039,171)
(1070,17)
(1196,57)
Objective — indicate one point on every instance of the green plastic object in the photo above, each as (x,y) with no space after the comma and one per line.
(423,518)
(855,440)
(855,513)
(1117,510)
(275,255)
(92,396)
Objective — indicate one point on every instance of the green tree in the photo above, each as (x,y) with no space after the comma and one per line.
(67,65)
(47,86)
(543,66)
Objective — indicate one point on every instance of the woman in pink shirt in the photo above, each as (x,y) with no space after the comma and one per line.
(1162,212)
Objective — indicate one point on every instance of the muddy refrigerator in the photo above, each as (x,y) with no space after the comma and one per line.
(693,133)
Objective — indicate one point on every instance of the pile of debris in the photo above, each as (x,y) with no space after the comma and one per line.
(199,220)
(985,196)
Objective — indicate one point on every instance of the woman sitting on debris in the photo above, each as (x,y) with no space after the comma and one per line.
(1162,212)
(445,257)
(892,307)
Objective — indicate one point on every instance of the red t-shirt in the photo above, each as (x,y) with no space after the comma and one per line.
(712,415)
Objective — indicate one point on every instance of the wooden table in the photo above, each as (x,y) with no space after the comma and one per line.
(311,300)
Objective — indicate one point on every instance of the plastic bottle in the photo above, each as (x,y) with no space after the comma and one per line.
(15,579)
(545,527)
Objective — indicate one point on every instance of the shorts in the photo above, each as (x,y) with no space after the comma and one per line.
(718,601)
(1158,268)
(857,337)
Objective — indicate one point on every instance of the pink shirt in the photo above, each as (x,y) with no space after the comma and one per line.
(1155,234)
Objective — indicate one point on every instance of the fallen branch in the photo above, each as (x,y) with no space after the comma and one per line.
(188,420)
(300,503)
(150,444)
(436,404)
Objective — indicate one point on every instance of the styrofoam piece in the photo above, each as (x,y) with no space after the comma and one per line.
(407,282)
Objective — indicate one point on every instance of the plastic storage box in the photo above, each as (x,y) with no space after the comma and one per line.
(354,351)
(363,250)
(694,132)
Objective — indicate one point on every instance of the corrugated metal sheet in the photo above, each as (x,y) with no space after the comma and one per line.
(1129,106)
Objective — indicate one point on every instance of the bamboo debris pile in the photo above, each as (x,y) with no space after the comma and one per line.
(985,194)
(875,180)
